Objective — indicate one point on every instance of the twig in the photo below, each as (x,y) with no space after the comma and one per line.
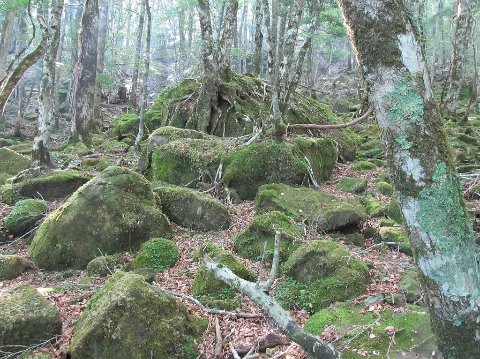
(234,352)
(219,343)
(266,285)
(27,349)
(285,352)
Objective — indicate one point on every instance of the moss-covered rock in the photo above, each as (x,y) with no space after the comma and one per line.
(250,243)
(319,274)
(352,185)
(410,286)
(128,318)
(114,212)
(158,254)
(26,318)
(96,163)
(324,211)
(102,266)
(207,286)
(394,212)
(192,209)
(123,125)
(187,161)
(24,216)
(374,207)
(396,235)
(12,162)
(11,266)
(363,166)
(411,327)
(385,188)
(249,167)
(321,155)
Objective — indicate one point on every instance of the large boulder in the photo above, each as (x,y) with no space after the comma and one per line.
(320,154)
(192,209)
(24,216)
(114,212)
(26,318)
(130,319)
(11,266)
(319,274)
(12,162)
(325,211)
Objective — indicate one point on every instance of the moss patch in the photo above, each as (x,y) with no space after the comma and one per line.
(158,254)
(385,188)
(12,162)
(396,235)
(104,265)
(11,266)
(24,216)
(321,155)
(352,185)
(363,166)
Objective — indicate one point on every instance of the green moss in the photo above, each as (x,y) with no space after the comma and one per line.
(321,154)
(124,124)
(104,265)
(324,211)
(405,105)
(410,286)
(11,266)
(467,139)
(249,167)
(396,235)
(12,162)
(250,243)
(394,212)
(96,163)
(158,254)
(352,185)
(7,194)
(363,166)
(24,216)
(385,188)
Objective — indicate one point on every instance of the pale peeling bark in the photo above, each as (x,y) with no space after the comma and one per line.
(427,188)
(84,74)
(46,104)
(461,42)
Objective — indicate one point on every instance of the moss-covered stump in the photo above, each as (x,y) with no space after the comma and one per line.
(130,319)
(320,154)
(26,318)
(352,185)
(363,166)
(396,235)
(24,216)
(114,212)
(410,286)
(12,162)
(411,328)
(319,274)
(11,266)
(192,209)
(324,211)
(186,162)
(212,290)
(103,266)
(158,254)
(250,243)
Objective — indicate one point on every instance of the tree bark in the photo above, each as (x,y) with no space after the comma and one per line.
(138,52)
(84,75)
(6,40)
(227,34)
(427,188)
(257,54)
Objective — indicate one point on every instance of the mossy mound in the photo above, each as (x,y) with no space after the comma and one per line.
(244,103)
(373,206)
(385,188)
(114,212)
(26,318)
(320,154)
(250,243)
(208,287)
(352,185)
(192,209)
(124,125)
(319,274)
(411,327)
(363,166)
(410,286)
(186,161)
(11,266)
(249,167)
(396,235)
(96,163)
(128,318)
(12,162)
(158,254)
(394,212)
(102,266)
(24,216)
(324,211)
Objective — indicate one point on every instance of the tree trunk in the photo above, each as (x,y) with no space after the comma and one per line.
(138,52)
(436,55)
(6,40)
(257,54)
(84,75)
(461,40)
(227,34)
(47,96)
(428,190)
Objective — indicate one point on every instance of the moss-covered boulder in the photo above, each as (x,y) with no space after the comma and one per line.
(363,166)
(394,212)
(96,163)
(24,216)
(325,211)
(126,124)
(396,235)
(373,206)
(257,240)
(128,318)
(26,318)
(319,274)
(11,266)
(410,327)
(103,266)
(12,162)
(192,209)
(320,154)
(410,286)
(385,188)
(208,287)
(249,167)
(114,212)
(158,254)
(187,161)
(352,185)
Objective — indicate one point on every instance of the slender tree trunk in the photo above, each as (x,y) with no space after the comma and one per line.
(436,55)
(257,54)
(181,31)
(428,190)
(84,75)
(227,34)
(75,19)
(45,120)
(6,40)
(102,41)
(190,29)
(461,40)
(58,73)
(138,52)
(146,71)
